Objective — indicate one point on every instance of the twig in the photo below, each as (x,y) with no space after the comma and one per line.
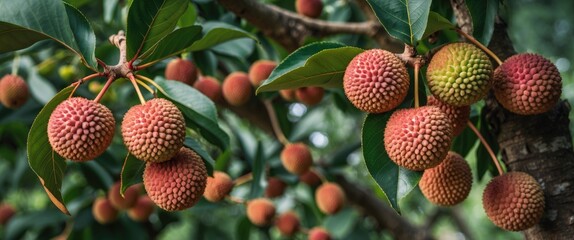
(236,199)
(243,179)
(463,18)
(104,89)
(275,123)
(132,79)
(487,146)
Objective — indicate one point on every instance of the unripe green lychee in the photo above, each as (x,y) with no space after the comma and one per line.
(513,201)
(210,87)
(103,211)
(448,183)
(310,178)
(218,186)
(287,223)
(296,158)
(458,116)
(376,81)
(143,208)
(275,187)
(67,72)
(260,71)
(178,183)
(459,74)
(13,91)
(260,211)
(154,131)
(418,138)
(309,8)
(319,233)
(80,129)
(181,70)
(527,84)
(6,213)
(330,198)
(309,95)
(237,89)
(127,201)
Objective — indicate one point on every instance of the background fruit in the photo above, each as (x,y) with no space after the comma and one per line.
(260,211)
(418,138)
(459,74)
(80,129)
(330,198)
(288,94)
(296,158)
(309,8)
(287,223)
(210,87)
(178,183)
(527,84)
(103,211)
(181,70)
(67,72)
(309,95)
(143,208)
(237,88)
(275,187)
(6,213)
(127,201)
(218,186)
(260,71)
(319,233)
(310,178)
(448,183)
(458,116)
(13,91)
(376,81)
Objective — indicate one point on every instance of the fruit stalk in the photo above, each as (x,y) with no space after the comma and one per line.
(417,68)
(104,89)
(84,79)
(15,64)
(479,45)
(274,123)
(243,179)
(134,82)
(487,146)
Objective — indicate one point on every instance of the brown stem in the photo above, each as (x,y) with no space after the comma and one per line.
(417,68)
(487,146)
(243,179)
(104,89)
(236,200)
(82,80)
(275,123)
(479,45)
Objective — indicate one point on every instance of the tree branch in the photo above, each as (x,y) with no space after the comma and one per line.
(462,14)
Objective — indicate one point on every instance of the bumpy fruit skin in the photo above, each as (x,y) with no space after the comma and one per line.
(210,87)
(513,201)
(260,211)
(309,95)
(260,71)
(154,131)
(275,187)
(288,94)
(13,91)
(319,233)
(309,8)
(178,183)
(218,186)
(181,70)
(418,138)
(376,81)
(459,74)
(310,178)
(287,223)
(80,129)
(527,84)
(237,89)
(6,213)
(143,208)
(448,183)
(296,158)
(103,211)
(122,203)
(458,115)
(330,198)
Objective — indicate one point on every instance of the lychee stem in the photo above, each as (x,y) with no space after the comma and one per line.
(82,80)
(16,64)
(144,66)
(152,82)
(478,44)
(487,146)
(243,179)
(144,85)
(104,89)
(417,68)
(236,199)
(134,82)
(275,123)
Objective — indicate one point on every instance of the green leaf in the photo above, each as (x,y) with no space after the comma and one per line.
(396,182)
(172,44)
(149,21)
(405,20)
(243,229)
(18,29)
(464,142)
(258,170)
(325,68)
(483,160)
(436,22)
(342,223)
(216,33)
(209,162)
(48,166)
(483,13)
(132,172)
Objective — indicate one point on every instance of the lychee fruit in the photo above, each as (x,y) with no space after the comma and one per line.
(13,91)
(127,201)
(275,187)
(237,89)
(260,71)
(513,201)
(181,70)
(103,211)
(376,81)
(154,131)
(287,223)
(319,233)
(296,158)
(260,212)
(459,74)
(210,87)
(178,183)
(309,8)
(309,95)
(310,178)
(527,84)
(458,116)
(448,183)
(418,138)
(143,208)
(218,186)
(330,198)
(6,213)
(287,94)
(80,129)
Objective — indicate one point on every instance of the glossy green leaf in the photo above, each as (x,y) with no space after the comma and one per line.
(405,20)
(483,14)
(172,44)
(216,33)
(396,182)
(84,35)
(48,166)
(258,170)
(342,223)
(132,172)
(324,69)
(436,22)
(149,21)
(483,160)
(189,16)
(209,162)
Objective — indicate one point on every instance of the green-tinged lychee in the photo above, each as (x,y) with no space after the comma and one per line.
(309,95)
(448,183)
(330,198)
(458,116)
(309,8)
(275,187)
(13,91)
(260,211)
(218,186)
(310,178)
(178,183)
(143,208)
(459,74)
(260,71)
(287,223)
(210,87)
(513,201)
(154,131)
(103,211)
(6,213)
(319,233)
(418,138)
(181,70)
(237,89)
(296,158)
(376,81)
(527,84)
(80,129)
(127,201)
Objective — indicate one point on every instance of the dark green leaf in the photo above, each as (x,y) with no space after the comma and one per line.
(341,224)
(405,20)
(436,23)
(243,229)
(188,18)
(209,163)
(483,160)
(172,44)
(84,35)
(464,142)
(216,33)
(132,172)
(483,13)
(258,170)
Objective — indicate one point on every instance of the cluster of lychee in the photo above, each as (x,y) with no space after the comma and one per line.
(13,91)
(419,139)
(106,209)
